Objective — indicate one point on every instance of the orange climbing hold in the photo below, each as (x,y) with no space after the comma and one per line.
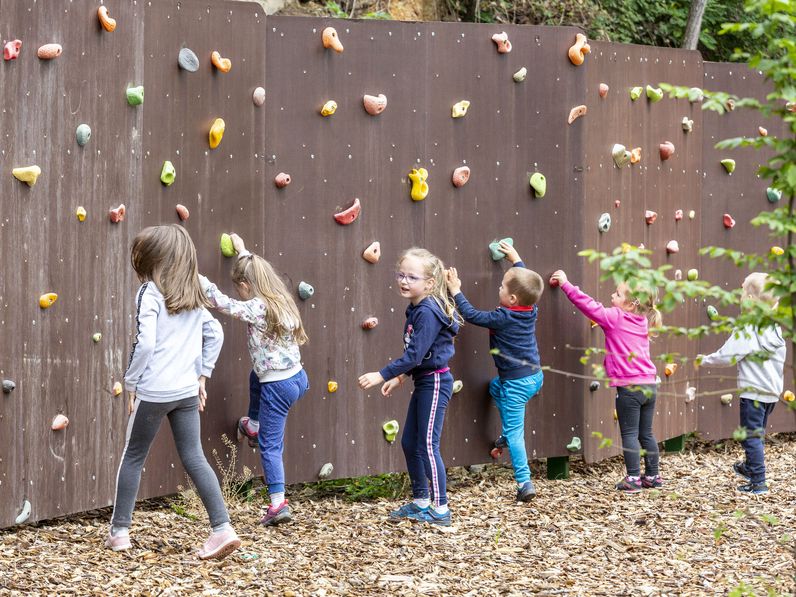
(349,214)
(222,64)
(59,422)
(105,19)
(670,369)
(117,214)
(331,40)
(635,155)
(502,42)
(47,300)
(49,51)
(372,253)
(577,53)
(763,131)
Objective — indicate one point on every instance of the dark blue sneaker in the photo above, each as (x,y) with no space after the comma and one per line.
(740,470)
(431,517)
(406,511)
(754,488)
(498,446)
(526,492)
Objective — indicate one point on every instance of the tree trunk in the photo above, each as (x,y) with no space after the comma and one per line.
(694,25)
(471,11)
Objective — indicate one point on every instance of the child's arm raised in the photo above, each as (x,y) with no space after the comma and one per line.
(592,309)
(251,311)
(487,319)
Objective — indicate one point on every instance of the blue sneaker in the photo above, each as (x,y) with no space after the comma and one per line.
(406,511)
(754,488)
(526,492)
(431,517)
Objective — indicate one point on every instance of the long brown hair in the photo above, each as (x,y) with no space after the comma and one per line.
(281,313)
(435,271)
(166,256)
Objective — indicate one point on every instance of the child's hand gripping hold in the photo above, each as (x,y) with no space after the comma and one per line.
(453,282)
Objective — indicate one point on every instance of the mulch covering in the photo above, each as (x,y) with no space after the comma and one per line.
(696,536)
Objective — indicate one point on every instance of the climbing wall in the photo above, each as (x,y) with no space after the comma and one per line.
(741,194)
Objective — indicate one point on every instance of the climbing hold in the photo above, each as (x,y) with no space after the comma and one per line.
(24,514)
(226,246)
(28,174)
(687,124)
(331,386)
(594,386)
(372,253)
(777,251)
(695,94)
(222,64)
(117,389)
(96,337)
(691,214)
(8,386)
(216,132)
(678,274)
(494,248)
(59,422)
(326,471)
(168,173)
(419,185)
(182,212)
(188,60)
(635,93)
(773,195)
(460,176)
(520,75)
(80,212)
(678,215)
(729,165)
(713,313)
(47,300)
(458,385)
(370,323)
(726,399)
(616,415)
(574,444)
(82,134)
(117,214)
(730,104)
(635,155)
(576,113)
(11,49)
(728,221)
(763,131)
(374,104)
(459,109)
(135,95)
(654,94)
(788,396)
(105,19)
(502,42)
(348,215)
(331,40)
(553,282)
(329,108)
(390,429)
(577,52)
(670,369)
(617,203)
(604,223)
(666,150)
(602,90)
(258,96)
(621,155)
(305,290)
(672,247)
(538,184)
(49,51)
(281,180)
(693,274)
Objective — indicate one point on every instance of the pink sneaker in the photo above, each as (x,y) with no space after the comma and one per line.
(276,516)
(118,543)
(245,430)
(219,545)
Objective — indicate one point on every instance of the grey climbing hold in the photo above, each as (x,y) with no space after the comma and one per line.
(574,444)
(458,385)
(621,155)
(520,75)
(258,96)
(326,471)
(773,195)
(305,290)
(494,248)
(8,386)
(604,223)
(188,60)
(24,514)
(594,386)
(83,134)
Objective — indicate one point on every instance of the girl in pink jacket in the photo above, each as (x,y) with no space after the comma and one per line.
(629,368)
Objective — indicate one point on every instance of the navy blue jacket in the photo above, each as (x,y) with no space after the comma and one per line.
(512,331)
(428,341)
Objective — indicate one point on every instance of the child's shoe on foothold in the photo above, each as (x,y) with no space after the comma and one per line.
(500,444)
(628,485)
(246,430)
(740,470)
(118,543)
(754,488)
(406,511)
(430,516)
(526,492)
(276,516)
(651,482)
(220,545)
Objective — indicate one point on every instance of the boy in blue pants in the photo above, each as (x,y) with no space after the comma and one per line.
(512,335)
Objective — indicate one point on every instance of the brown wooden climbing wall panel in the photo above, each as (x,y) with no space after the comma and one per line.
(742,194)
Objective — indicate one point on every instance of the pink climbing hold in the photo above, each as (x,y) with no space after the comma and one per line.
(59,422)
(11,49)
(182,212)
(374,104)
(49,51)
(617,203)
(728,220)
(117,214)
(650,216)
(603,90)
(672,247)
(370,323)
(349,214)
(502,41)
(667,150)
(678,215)
(281,180)
(460,176)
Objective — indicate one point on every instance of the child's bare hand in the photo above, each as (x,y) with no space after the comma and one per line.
(453,281)
(370,380)
(237,243)
(510,252)
(130,402)
(390,385)
(560,276)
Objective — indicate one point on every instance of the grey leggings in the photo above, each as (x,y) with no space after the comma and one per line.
(141,430)
(635,411)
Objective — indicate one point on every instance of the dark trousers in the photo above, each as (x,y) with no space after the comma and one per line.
(635,411)
(754,418)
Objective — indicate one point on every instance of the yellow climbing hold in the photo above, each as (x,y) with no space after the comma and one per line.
(46,300)
(28,174)
(117,388)
(777,251)
(329,108)
(788,396)
(81,214)
(216,132)
(419,184)
(331,386)
(460,109)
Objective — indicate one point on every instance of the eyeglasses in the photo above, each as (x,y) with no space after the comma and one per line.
(410,278)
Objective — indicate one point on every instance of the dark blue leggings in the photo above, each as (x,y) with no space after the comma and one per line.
(422,433)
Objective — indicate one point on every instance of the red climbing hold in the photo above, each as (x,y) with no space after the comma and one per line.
(678,215)
(667,150)
(650,216)
(370,323)
(281,180)
(117,214)
(349,214)
(728,220)
(182,211)
(11,50)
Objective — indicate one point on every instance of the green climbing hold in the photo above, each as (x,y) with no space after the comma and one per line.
(82,134)
(305,290)
(538,184)
(575,444)
(654,94)
(135,95)
(520,75)
(773,195)
(729,165)
(227,249)
(494,248)
(96,337)
(713,313)
(635,93)
(390,429)
(168,174)
(457,386)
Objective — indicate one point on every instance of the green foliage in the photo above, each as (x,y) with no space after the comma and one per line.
(335,10)
(180,510)
(389,486)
